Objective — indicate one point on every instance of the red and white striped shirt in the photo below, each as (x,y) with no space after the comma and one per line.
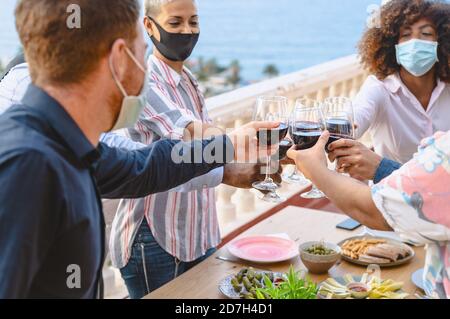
(183,224)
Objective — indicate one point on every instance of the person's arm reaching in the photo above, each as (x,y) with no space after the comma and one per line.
(351,196)
(209,180)
(125,174)
(29,217)
(132,174)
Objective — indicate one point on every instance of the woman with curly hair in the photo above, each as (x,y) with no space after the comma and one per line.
(408,96)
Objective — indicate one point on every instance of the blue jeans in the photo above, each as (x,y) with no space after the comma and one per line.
(150,266)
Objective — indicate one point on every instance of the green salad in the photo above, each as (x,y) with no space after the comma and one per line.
(294,286)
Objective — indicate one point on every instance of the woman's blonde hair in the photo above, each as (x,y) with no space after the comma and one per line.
(153,7)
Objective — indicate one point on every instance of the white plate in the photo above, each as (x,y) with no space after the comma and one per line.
(388,241)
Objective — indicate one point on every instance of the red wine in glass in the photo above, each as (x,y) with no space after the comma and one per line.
(308,125)
(306,139)
(270,108)
(306,134)
(339,128)
(273,136)
(285,146)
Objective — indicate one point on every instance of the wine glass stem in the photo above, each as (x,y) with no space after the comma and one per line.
(268,178)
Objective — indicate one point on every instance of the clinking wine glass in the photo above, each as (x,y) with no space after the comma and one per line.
(340,125)
(270,108)
(340,119)
(297,177)
(307,127)
(340,104)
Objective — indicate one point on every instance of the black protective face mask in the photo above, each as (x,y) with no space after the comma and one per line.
(175,46)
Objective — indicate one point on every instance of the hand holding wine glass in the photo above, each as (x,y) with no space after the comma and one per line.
(354,158)
(270,108)
(297,177)
(307,127)
(339,125)
(246,146)
(334,105)
(309,159)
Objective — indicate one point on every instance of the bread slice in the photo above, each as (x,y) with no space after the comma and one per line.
(373,260)
(403,252)
(387,251)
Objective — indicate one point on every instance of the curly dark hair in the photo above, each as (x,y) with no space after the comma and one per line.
(377,46)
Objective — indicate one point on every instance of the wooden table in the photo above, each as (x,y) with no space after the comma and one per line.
(301,225)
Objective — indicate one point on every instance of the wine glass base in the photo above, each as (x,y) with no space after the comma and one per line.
(313,194)
(272,197)
(265,186)
(295,179)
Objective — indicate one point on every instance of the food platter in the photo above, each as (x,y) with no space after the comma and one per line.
(367,250)
(373,288)
(227,289)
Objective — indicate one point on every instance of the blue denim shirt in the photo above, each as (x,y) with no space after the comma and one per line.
(386,168)
(51,182)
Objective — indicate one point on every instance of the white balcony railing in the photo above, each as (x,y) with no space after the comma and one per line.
(341,77)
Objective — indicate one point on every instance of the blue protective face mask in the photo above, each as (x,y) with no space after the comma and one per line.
(417,56)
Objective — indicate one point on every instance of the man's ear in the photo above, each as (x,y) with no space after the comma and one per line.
(119,59)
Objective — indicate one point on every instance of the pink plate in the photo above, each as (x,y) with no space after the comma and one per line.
(263,249)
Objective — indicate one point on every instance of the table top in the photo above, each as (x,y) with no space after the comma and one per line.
(302,225)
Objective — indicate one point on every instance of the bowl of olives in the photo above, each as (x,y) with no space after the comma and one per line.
(319,257)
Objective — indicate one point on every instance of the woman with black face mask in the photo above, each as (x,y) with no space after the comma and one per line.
(155,239)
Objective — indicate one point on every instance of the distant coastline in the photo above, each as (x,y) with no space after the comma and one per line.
(290,34)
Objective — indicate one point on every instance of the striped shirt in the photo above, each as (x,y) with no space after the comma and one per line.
(184,224)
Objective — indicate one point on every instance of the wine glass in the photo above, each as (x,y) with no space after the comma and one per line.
(271,108)
(307,127)
(341,104)
(340,125)
(340,119)
(297,177)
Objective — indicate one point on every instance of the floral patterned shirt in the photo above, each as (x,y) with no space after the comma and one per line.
(415,201)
